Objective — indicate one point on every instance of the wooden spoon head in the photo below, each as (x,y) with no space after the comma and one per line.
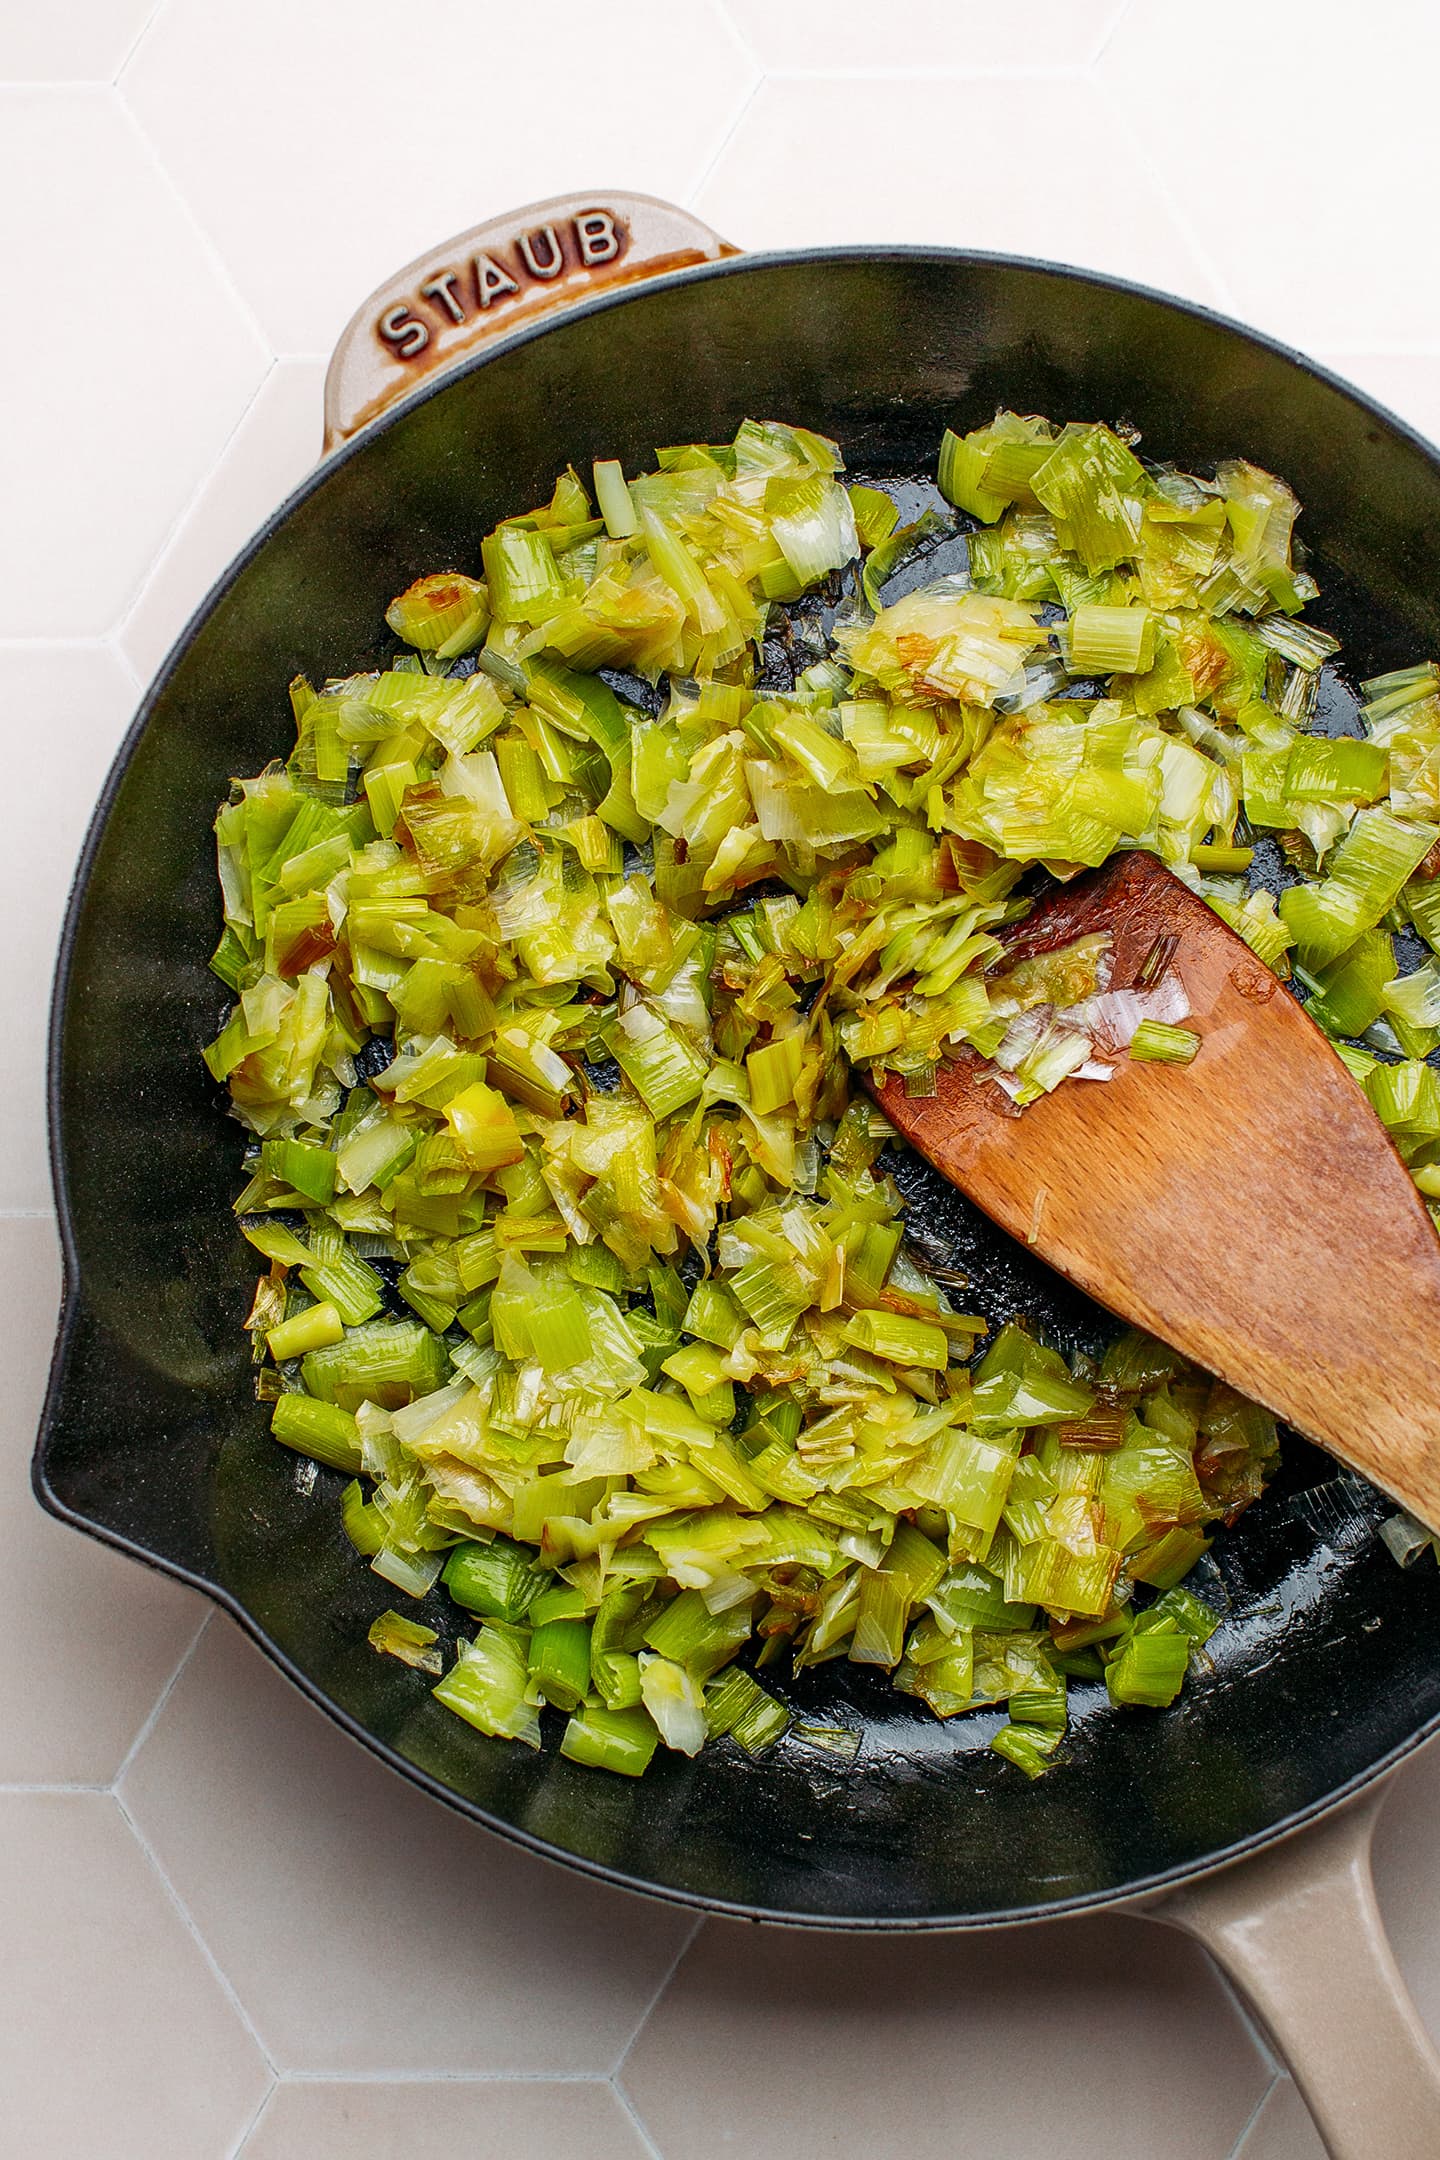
(1248,1208)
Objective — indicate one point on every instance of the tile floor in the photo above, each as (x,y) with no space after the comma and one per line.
(269,1945)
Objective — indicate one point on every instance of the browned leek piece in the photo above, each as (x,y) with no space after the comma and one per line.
(1248,1208)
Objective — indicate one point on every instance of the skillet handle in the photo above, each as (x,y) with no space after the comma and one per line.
(498,277)
(1299,1932)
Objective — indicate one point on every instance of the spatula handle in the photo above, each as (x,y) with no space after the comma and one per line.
(1299,1932)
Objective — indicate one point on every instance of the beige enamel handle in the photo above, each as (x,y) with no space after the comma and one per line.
(502,275)
(1298,1930)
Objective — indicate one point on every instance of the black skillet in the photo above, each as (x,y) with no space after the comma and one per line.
(1327,1671)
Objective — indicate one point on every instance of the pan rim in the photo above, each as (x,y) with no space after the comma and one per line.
(1136,1893)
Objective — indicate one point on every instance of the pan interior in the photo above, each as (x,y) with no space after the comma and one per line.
(1327,1663)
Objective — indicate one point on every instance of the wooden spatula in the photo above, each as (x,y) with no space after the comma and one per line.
(1248,1208)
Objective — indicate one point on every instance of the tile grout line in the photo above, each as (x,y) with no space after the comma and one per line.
(18,1787)
(204,238)
(137,41)
(188,1922)
(1246,2016)
(123,660)
(1237,2150)
(55,644)
(1224,298)
(151,1720)
(741,38)
(627,2108)
(174,536)
(1111,31)
(618,2066)
(961,72)
(692,195)
(256,2119)
(442,2077)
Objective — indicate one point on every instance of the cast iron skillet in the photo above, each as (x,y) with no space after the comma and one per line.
(1328,1671)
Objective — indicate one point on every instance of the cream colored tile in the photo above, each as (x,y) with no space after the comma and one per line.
(90,1637)
(129,359)
(1408,383)
(1033,168)
(69,40)
(344,2121)
(917,35)
(62,715)
(376,138)
(116,2038)
(275,446)
(1296,140)
(1407,1878)
(1085,2038)
(364,1927)
(1283,2129)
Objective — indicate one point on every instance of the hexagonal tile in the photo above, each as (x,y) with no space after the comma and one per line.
(65,711)
(341,2120)
(128,387)
(1409,383)
(271,451)
(70,40)
(117,2038)
(1283,2129)
(888,2044)
(1261,130)
(1031,166)
(1406,1880)
(922,36)
(90,1637)
(378,139)
(365,1927)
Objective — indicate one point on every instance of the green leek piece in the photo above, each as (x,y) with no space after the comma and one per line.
(487,1686)
(305,1169)
(520,571)
(605,1739)
(665,1070)
(713,1316)
(318,1429)
(384,1361)
(495,1580)
(899,1340)
(613,497)
(1190,1614)
(876,515)
(559,1660)
(435,611)
(564,1602)
(675,1704)
(364,1524)
(1111,641)
(1151,1667)
(1157,1043)
(335,1274)
(1365,877)
(615,1638)
(314,1329)
(1027,1746)
(689,1634)
(738,1706)
(408,1641)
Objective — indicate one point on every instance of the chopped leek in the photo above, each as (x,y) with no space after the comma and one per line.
(408,1641)
(1162,1045)
(555,948)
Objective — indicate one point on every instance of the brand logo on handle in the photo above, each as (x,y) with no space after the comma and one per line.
(498,277)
